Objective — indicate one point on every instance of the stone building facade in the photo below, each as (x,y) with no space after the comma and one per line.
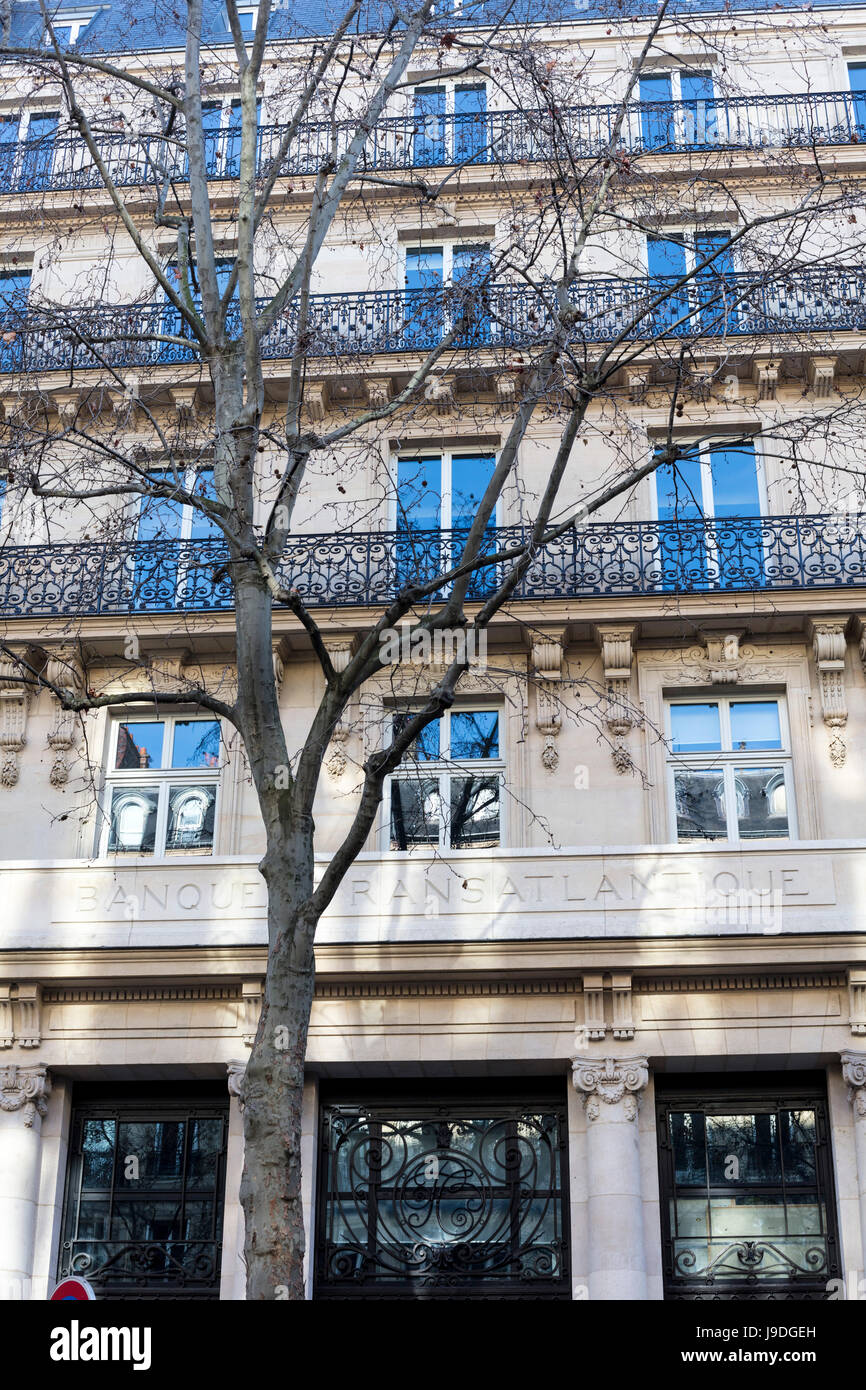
(615,1048)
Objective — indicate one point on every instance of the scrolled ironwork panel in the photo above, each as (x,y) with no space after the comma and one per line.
(435,1202)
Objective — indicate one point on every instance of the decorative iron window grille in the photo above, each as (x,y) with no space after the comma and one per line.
(144,1200)
(748,1205)
(455,1200)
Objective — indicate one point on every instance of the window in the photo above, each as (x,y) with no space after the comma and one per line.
(450,124)
(144,1199)
(747,1196)
(454,1198)
(27,149)
(707,504)
(178,550)
(248,18)
(14,293)
(447,791)
(68,26)
(705,301)
(162,786)
(444,283)
(436,493)
(729,769)
(857,79)
(691,121)
(222,138)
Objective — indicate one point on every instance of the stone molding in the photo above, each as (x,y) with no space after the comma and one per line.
(609,1081)
(617,986)
(617,656)
(547,657)
(15,701)
(124,994)
(854,1076)
(20,1015)
(25,1088)
(857,1001)
(235,1073)
(340,650)
(64,669)
(829,645)
(708,984)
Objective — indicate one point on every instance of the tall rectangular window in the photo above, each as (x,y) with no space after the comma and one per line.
(678,110)
(162,785)
(709,508)
(448,1198)
(729,769)
(144,1199)
(448,790)
(747,1195)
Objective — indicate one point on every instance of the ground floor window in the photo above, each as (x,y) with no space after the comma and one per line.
(144,1198)
(748,1207)
(448,1196)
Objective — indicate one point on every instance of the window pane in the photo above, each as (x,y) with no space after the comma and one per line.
(139,745)
(734,471)
(470,475)
(97,1146)
(696,729)
(743,1148)
(755,724)
(474,734)
(132,828)
(419,494)
(425,746)
(688,1140)
(190,818)
(196,743)
(158,1146)
(474,812)
(700,804)
(762,807)
(424,269)
(415,813)
(798,1145)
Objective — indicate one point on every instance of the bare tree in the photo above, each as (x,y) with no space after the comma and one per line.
(557,323)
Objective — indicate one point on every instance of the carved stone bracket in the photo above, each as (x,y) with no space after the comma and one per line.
(609,1081)
(65,671)
(252,995)
(829,645)
(340,651)
(857,1002)
(439,391)
(15,701)
(822,373)
(701,379)
(316,400)
(765,374)
(378,392)
(25,1088)
(617,655)
(183,398)
(617,1018)
(854,1076)
(7,1031)
(547,655)
(235,1073)
(637,381)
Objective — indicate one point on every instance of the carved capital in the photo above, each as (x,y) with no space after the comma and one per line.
(235,1073)
(25,1088)
(854,1076)
(15,700)
(610,1081)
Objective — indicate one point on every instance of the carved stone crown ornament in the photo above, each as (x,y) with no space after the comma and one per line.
(854,1076)
(608,1081)
(25,1088)
(617,656)
(829,645)
(547,655)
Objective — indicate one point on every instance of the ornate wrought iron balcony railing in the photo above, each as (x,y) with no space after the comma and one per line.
(824,299)
(612,559)
(58,162)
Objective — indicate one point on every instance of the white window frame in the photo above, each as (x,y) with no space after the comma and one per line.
(707,500)
(727,759)
(76,21)
(446,458)
(188,478)
(160,778)
(447,248)
(442,769)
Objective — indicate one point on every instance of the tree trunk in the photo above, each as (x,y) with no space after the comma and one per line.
(273,1098)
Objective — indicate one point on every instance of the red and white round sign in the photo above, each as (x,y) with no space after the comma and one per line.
(74,1290)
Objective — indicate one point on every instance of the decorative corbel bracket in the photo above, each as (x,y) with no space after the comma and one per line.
(724,661)
(316,400)
(617,655)
(379,392)
(637,380)
(15,701)
(765,375)
(616,1018)
(701,379)
(440,391)
(547,658)
(822,376)
(857,1002)
(252,995)
(340,651)
(829,644)
(183,398)
(65,671)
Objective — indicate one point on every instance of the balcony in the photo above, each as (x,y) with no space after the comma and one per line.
(614,559)
(826,299)
(60,163)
